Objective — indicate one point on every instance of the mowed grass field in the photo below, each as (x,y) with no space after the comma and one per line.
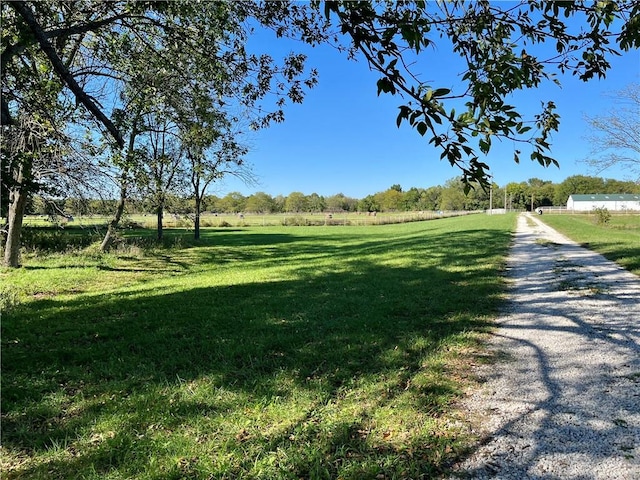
(256,353)
(618,240)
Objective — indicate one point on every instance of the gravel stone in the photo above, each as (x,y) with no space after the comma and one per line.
(563,399)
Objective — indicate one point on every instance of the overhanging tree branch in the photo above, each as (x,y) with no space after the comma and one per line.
(27,15)
(17,48)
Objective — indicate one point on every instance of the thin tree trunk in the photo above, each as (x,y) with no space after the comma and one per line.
(110,236)
(159,214)
(196,221)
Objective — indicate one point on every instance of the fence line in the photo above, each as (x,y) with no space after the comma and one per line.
(568,211)
(209,220)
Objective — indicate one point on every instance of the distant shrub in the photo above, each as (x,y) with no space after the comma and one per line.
(603,216)
(56,240)
(225,224)
(337,221)
(208,222)
(297,221)
(183,222)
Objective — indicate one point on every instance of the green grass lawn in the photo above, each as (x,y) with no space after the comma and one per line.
(618,240)
(257,353)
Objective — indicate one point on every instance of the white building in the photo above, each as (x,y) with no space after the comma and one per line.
(614,202)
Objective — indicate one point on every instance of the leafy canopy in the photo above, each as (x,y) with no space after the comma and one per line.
(499,42)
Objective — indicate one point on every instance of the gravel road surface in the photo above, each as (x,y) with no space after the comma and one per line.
(563,399)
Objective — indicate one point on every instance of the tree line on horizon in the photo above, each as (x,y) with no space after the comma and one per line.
(450,196)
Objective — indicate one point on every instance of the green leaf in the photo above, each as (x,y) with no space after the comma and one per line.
(403,115)
(485,145)
(441,92)
(422,128)
(385,85)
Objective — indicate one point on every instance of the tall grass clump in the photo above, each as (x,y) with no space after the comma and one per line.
(55,239)
(262,353)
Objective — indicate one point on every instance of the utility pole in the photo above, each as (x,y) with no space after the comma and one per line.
(491,199)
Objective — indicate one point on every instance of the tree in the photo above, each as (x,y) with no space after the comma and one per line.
(21,146)
(212,147)
(316,203)
(543,192)
(577,184)
(160,166)
(584,185)
(452,196)
(369,203)
(619,186)
(391,199)
(499,45)
(224,156)
(431,198)
(410,199)
(233,202)
(518,197)
(340,203)
(279,202)
(296,202)
(260,202)
(38,154)
(478,198)
(615,136)
(91,48)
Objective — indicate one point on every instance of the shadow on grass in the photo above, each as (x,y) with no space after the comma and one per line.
(624,254)
(69,366)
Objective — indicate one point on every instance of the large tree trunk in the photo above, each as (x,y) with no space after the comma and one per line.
(17,205)
(113,224)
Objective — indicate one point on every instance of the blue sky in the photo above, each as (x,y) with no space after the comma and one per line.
(343,138)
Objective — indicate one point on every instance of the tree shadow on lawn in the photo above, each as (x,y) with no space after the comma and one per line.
(624,254)
(452,248)
(68,366)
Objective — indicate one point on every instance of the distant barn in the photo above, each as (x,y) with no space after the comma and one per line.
(613,202)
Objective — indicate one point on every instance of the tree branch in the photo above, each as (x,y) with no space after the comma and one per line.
(27,15)
(16,49)
(6,118)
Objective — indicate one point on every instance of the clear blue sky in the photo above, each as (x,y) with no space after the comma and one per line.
(344,138)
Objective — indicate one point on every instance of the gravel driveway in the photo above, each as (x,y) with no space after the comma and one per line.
(563,399)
